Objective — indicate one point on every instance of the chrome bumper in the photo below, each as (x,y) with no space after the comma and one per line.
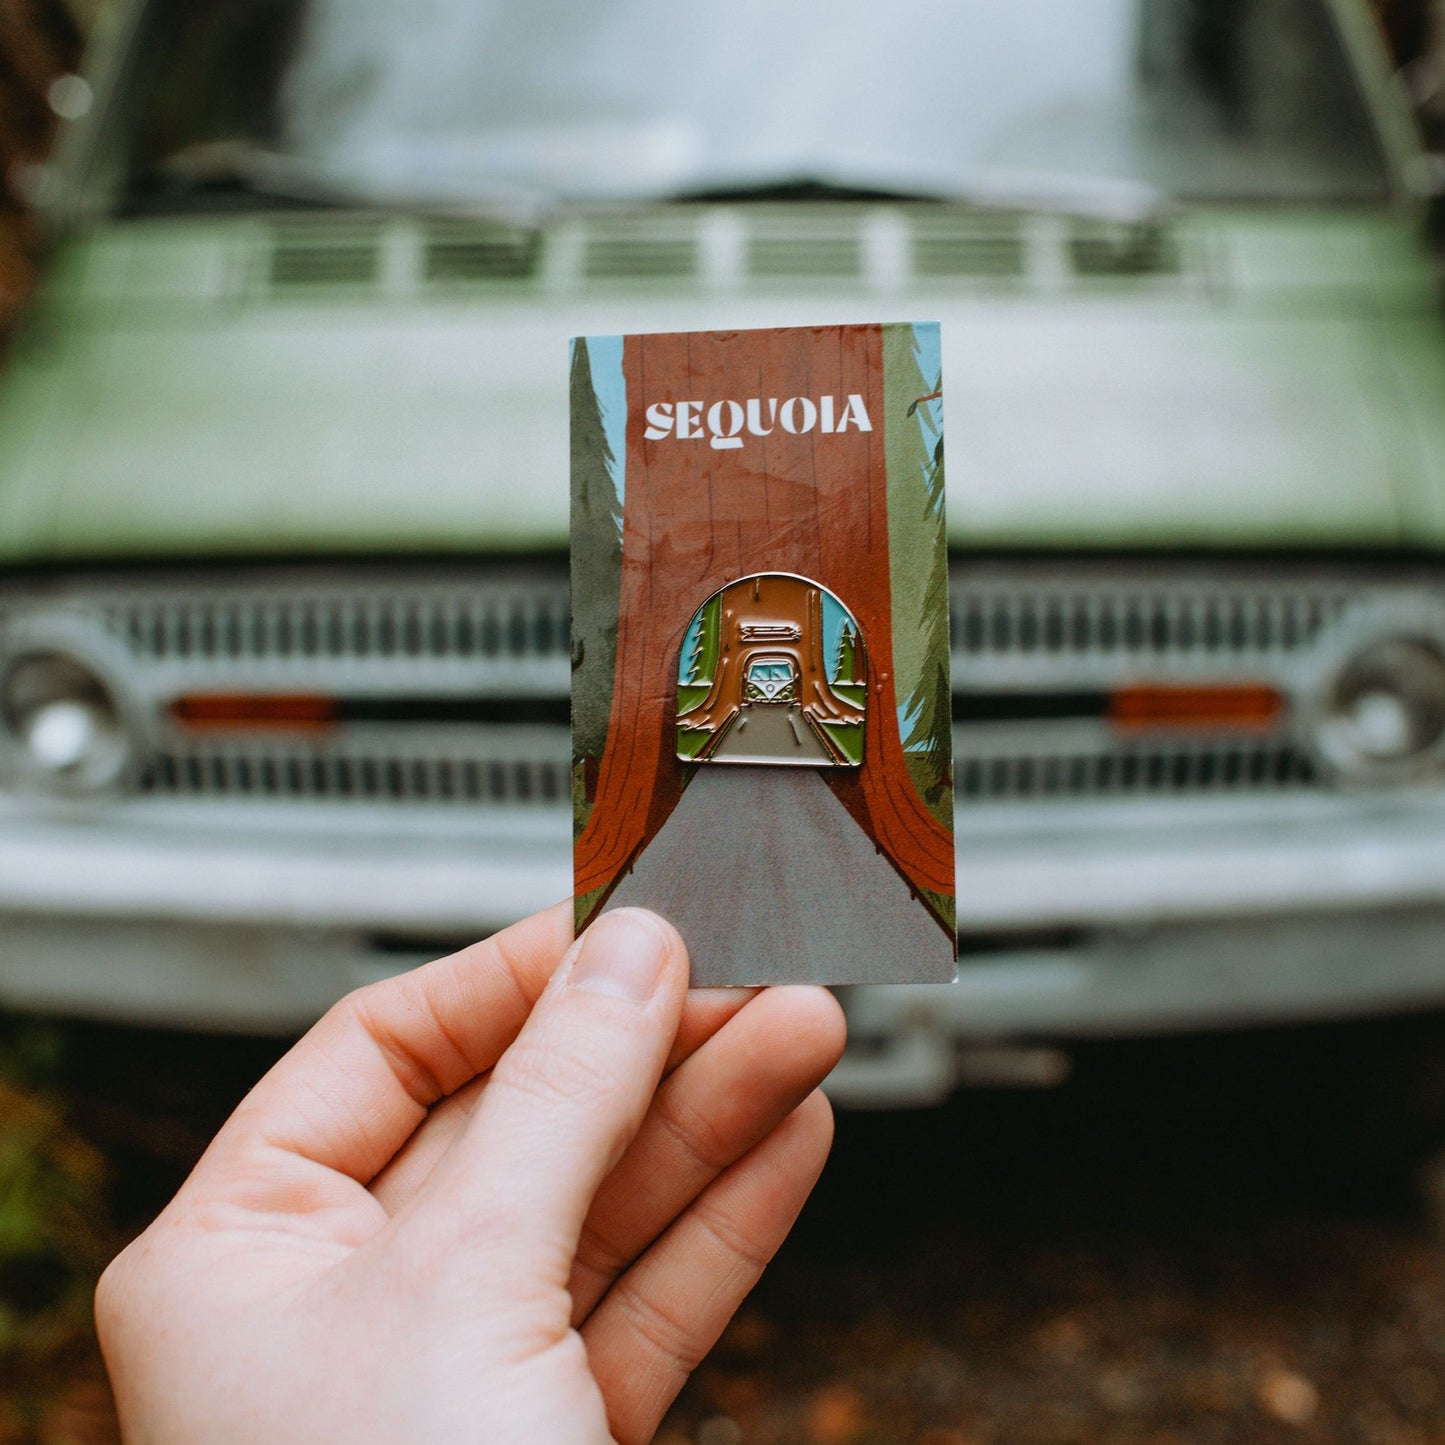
(1019,869)
(1156,918)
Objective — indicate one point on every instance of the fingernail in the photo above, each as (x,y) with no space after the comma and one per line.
(622,954)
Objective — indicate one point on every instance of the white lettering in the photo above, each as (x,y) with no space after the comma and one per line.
(725,423)
(855,412)
(789,415)
(725,434)
(754,409)
(689,419)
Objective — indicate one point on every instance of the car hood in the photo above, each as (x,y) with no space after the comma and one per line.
(1280,383)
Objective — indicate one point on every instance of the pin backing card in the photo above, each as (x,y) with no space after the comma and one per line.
(761,703)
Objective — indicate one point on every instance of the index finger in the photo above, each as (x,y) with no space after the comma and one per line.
(356,1087)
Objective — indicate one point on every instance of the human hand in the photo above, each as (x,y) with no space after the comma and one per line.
(448,1214)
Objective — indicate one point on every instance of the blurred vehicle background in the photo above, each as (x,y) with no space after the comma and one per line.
(282,611)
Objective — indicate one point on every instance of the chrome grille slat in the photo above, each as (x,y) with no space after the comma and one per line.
(526,623)
(500,766)
(1168,624)
(1130,772)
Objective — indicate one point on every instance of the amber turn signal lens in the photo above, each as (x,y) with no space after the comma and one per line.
(247,712)
(1231,707)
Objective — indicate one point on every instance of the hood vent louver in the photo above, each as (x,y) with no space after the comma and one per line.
(723,248)
(982,246)
(618,250)
(461,252)
(305,257)
(1125,250)
(804,255)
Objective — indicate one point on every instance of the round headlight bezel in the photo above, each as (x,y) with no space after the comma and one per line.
(1377,658)
(67,662)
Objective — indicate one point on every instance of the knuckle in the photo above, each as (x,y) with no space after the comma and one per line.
(407,1062)
(122,1287)
(673,1340)
(412,1034)
(734,1242)
(702,1137)
(599,1255)
(352,1010)
(110,1294)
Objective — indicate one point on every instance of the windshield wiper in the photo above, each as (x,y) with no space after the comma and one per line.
(237,168)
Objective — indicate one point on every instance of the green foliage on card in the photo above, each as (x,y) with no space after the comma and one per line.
(596,565)
(918,555)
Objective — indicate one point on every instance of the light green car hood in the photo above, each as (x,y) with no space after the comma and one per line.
(1283,385)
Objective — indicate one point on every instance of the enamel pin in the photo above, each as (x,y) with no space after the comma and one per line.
(772,671)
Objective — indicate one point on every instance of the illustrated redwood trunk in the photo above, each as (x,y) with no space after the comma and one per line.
(697,518)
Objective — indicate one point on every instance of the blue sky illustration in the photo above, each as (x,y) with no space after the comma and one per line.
(605,355)
(906,715)
(929,340)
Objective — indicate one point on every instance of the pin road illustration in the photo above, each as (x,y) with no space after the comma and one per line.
(772,670)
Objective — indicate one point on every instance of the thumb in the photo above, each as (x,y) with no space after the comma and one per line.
(565,1099)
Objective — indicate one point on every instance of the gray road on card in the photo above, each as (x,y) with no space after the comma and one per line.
(770,731)
(768,879)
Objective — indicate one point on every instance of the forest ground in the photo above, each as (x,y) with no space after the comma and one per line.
(1165,1251)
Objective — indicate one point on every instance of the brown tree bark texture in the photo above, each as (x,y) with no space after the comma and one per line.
(695,519)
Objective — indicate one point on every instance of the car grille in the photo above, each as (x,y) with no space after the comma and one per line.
(1088,625)
(458,677)
(1038,635)
(321,624)
(1021,774)
(500,769)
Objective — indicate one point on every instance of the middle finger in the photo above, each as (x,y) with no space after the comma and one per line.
(710,1112)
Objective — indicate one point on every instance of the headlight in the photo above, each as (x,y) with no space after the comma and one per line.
(1387,705)
(1377,712)
(61,724)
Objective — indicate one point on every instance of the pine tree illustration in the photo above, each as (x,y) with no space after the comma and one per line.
(845,668)
(938,747)
(932,724)
(596,563)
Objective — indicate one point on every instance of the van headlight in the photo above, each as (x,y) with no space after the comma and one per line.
(65,726)
(1387,704)
(1377,707)
(64,721)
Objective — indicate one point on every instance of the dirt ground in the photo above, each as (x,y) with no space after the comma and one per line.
(1170,1250)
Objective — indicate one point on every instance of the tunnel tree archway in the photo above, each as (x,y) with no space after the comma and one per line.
(772,670)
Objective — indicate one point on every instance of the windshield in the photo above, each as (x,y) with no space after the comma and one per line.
(771,672)
(475,101)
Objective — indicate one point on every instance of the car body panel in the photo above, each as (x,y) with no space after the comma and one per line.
(1274,393)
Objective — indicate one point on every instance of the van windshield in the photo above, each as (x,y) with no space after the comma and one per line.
(469,102)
